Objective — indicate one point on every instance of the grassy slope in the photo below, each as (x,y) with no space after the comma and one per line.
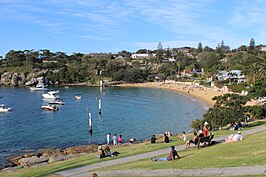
(250,151)
(125,151)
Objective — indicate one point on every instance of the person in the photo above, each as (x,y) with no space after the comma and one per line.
(108,138)
(165,138)
(194,140)
(205,129)
(114,140)
(120,140)
(171,157)
(183,137)
(107,151)
(153,139)
(100,153)
(200,134)
(132,140)
(235,137)
(94,175)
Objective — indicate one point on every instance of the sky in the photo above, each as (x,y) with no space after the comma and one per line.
(87,26)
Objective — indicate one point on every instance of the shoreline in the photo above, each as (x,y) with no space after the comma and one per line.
(202,95)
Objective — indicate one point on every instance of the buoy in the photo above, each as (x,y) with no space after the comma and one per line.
(90,123)
(100,107)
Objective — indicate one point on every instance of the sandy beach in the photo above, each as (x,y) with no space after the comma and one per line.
(201,93)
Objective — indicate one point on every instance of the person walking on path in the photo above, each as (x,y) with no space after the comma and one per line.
(114,140)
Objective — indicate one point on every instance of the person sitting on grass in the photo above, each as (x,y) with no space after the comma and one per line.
(153,139)
(235,137)
(100,153)
(165,138)
(183,137)
(194,140)
(171,157)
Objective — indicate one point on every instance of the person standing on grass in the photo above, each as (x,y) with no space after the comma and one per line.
(114,140)
(108,138)
(120,140)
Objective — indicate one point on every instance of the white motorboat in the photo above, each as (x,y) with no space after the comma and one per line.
(53,92)
(39,87)
(50,107)
(77,97)
(50,95)
(4,108)
(57,101)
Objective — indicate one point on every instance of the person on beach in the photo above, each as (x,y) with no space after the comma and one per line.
(183,137)
(108,138)
(120,140)
(114,140)
(171,157)
(194,140)
(100,153)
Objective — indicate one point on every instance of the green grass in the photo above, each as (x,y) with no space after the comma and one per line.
(89,159)
(215,153)
(248,152)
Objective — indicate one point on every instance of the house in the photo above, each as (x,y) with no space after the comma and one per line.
(233,75)
(141,55)
(263,48)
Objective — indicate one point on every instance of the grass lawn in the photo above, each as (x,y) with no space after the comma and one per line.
(248,152)
(188,155)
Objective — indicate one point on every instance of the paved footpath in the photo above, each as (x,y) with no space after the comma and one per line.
(87,170)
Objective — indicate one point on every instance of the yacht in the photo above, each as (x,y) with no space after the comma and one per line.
(39,87)
(4,108)
(50,95)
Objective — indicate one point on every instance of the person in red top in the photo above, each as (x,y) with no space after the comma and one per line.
(205,129)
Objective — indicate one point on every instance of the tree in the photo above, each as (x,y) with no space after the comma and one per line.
(159,53)
(200,48)
(228,108)
(258,89)
(252,45)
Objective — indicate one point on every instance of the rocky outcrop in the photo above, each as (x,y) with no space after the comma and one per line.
(6,78)
(50,152)
(81,149)
(27,162)
(19,79)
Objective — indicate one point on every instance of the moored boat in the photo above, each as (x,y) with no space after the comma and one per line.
(77,97)
(57,101)
(39,87)
(4,108)
(50,107)
(50,95)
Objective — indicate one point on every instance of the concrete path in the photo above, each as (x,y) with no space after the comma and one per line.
(86,170)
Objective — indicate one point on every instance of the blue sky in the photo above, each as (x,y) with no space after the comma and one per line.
(113,25)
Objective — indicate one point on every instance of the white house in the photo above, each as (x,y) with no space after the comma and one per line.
(140,55)
(234,75)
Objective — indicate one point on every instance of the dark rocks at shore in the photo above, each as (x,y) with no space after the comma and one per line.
(46,156)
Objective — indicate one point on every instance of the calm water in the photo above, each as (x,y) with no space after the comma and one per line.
(132,112)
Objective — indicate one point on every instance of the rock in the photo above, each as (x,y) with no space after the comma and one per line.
(27,162)
(51,152)
(28,155)
(81,149)
(14,79)
(6,78)
(13,161)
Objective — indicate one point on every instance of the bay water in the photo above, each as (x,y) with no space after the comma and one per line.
(133,112)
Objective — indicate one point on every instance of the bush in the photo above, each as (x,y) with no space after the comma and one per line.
(197,124)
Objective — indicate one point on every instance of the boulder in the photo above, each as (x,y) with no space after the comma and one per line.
(81,149)
(50,152)
(14,79)
(27,162)
(6,78)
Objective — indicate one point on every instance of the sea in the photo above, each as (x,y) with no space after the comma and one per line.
(132,112)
